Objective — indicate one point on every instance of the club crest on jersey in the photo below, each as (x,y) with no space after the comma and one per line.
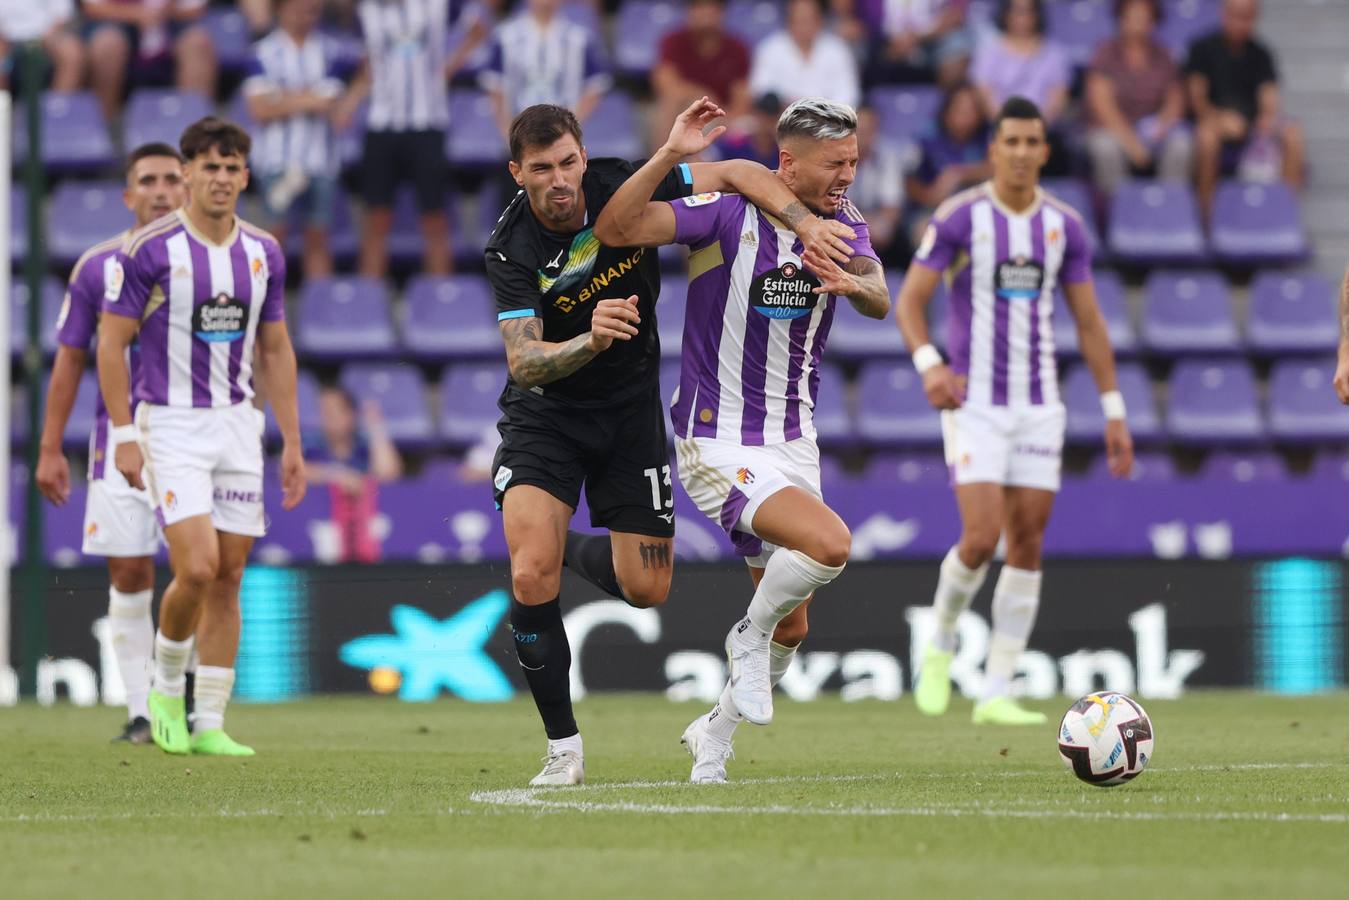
(219,321)
(1019,279)
(259,269)
(744,476)
(786,292)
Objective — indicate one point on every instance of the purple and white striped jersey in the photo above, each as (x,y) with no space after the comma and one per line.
(753,331)
(78,323)
(1001,271)
(199,304)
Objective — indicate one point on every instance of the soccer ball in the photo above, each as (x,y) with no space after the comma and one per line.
(1106,739)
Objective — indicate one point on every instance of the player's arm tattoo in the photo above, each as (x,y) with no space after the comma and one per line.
(793,214)
(533,361)
(872,298)
(1344,308)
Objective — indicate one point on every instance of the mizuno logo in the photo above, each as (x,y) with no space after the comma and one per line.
(557,260)
(668,517)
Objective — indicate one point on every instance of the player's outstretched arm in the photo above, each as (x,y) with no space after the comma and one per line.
(1342,368)
(534,362)
(278,370)
(115,334)
(53,471)
(1094,339)
(940,384)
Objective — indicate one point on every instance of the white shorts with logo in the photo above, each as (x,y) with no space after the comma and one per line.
(118,519)
(729,482)
(1016,446)
(205,461)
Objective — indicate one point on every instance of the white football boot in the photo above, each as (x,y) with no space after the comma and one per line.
(751,687)
(565,767)
(708,751)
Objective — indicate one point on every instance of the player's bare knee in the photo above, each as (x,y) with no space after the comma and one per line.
(977,546)
(131,574)
(197,571)
(830,546)
(646,593)
(533,584)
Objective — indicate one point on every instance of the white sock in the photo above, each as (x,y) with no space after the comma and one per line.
(1016,598)
(725,717)
(956,587)
(211,694)
(780,658)
(170,659)
(788,579)
(133,642)
(562,745)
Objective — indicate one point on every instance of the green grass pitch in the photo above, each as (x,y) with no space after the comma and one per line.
(1248,797)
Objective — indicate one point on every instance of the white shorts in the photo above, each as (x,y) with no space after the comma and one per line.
(118,519)
(205,461)
(729,482)
(1016,446)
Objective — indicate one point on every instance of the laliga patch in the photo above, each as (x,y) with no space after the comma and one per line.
(113,279)
(787,292)
(1019,279)
(503,478)
(702,199)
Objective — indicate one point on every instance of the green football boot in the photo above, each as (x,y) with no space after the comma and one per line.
(216,743)
(932,694)
(168,722)
(1005,711)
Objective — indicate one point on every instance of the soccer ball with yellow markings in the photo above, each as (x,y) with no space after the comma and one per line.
(1106,739)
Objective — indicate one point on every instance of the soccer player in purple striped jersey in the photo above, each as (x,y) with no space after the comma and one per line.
(1003,246)
(119,523)
(202,289)
(759,312)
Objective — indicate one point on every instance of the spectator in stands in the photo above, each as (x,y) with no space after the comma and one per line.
(805,60)
(353,458)
(540,56)
(258,15)
(755,136)
(1233,89)
(702,58)
(1135,104)
(123,34)
(878,191)
(951,158)
(405,75)
(292,88)
(1020,61)
(915,40)
(48,22)
(472,29)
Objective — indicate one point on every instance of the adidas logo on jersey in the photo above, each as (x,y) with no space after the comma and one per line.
(749,239)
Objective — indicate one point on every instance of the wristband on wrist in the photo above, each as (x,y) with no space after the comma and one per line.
(925,357)
(1112,404)
(123,434)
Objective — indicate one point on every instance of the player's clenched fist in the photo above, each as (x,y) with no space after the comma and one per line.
(613,320)
(943,388)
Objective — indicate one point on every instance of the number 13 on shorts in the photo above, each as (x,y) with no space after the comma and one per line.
(662,493)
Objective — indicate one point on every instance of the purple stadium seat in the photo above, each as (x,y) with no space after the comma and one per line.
(674,297)
(1291,313)
(642,23)
(1188,313)
(161,114)
(892,409)
(1114,307)
(1075,193)
(1331,464)
(401,394)
(1086,422)
(753,20)
(18,225)
(904,113)
(1155,222)
(450,317)
(472,220)
(81,421)
(18,415)
(307,399)
(1214,402)
(473,141)
(833,422)
(1186,20)
(229,36)
(81,214)
(1302,404)
(344,242)
(52,295)
(405,235)
(854,336)
(468,400)
(1149,466)
(612,128)
(1244,467)
(343,318)
(1080,25)
(1257,225)
(908,468)
(832,472)
(74,133)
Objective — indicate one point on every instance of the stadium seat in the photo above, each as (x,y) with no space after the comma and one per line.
(1154,222)
(474,142)
(753,20)
(1213,402)
(52,296)
(401,394)
(1186,20)
(1243,467)
(1114,307)
(343,318)
(1080,26)
(1291,313)
(229,36)
(674,298)
(643,23)
(18,415)
(81,421)
(1331,464)
(1188,313)
(1086,422)
(405,243)
(892,409)
(468,400)
(344,242)
(854,336)
(18,225)
(612,128)
(833,423)
(450,317)
(904,113)
(1075,193)
(1303,407)
(1149,466)
(1257,225)
(161,114)
(238,113)
(81,214)
(75,134)
(908,468)
(307,399)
